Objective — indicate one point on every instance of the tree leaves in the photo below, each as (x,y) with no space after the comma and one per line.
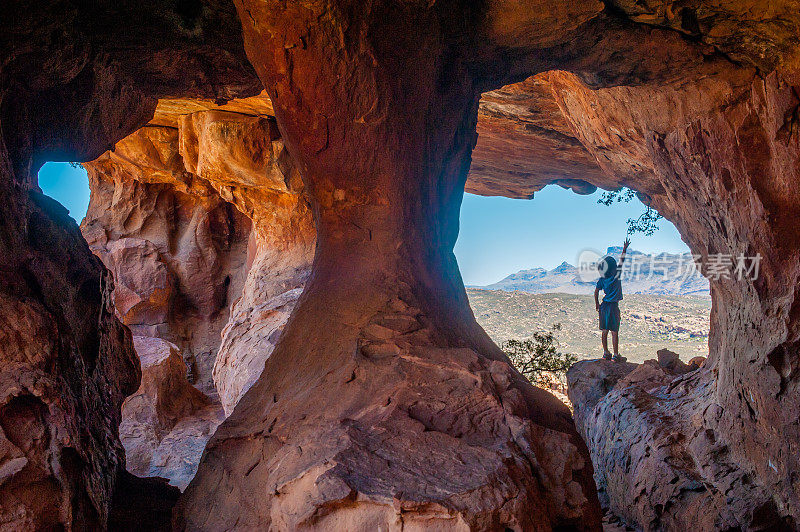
(646,223)
(538,358)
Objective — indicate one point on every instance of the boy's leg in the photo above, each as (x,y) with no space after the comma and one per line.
(605,342)
(615,342)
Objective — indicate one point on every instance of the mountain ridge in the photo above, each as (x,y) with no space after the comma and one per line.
(658,274)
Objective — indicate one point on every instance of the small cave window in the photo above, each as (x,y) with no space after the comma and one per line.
(68,184)
(521,261)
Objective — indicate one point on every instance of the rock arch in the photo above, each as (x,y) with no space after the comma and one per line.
(628,142)
(382,361)
(714,170)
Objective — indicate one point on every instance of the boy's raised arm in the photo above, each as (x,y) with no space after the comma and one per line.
(624,249)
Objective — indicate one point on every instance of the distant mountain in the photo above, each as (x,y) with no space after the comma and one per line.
(663,274)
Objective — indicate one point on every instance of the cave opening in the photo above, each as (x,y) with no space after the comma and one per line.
(208,254)
(68,184)
(665,419)
(157,242)
(520,260)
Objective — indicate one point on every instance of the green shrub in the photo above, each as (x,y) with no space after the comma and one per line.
(539,359)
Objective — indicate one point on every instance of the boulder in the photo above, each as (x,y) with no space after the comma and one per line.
(247,341)
(667,358)
(274,284)
(698,362)
(144,285)
(647,439)
(671,361)
(588,381)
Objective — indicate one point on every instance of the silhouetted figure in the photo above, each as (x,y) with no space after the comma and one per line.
(608,310)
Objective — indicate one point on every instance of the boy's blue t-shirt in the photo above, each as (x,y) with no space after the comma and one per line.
(612,287)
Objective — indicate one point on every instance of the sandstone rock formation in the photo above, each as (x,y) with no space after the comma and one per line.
(381,380)
(74,79)
(244,158)
(588,382)
(726,205)
(180,254)
(373,216)
(718,153)
(274,284)
(358,422)
(524,141)
(658,464)
(166,423)
(399,446)
(67,364)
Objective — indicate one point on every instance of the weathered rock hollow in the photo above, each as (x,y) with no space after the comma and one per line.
(383,402)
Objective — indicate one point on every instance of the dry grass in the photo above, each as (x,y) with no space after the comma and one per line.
(649,322)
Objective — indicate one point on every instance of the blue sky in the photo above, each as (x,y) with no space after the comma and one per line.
(498,236)
(68,185)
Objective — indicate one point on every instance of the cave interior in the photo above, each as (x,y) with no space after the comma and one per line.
(265,278)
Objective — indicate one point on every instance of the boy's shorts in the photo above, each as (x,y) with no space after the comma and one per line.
(609,316)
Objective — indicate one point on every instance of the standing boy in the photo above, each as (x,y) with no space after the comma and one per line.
(608,310)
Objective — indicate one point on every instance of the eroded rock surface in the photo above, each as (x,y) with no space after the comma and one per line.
(695,106)
(67,364)
(166,423)
(74,79)
(717,152)
(719,171)
(589,381)
(183,256)
(665,127)
(178,252)
(397,411)
(273,285)
(439,408)
(524,142)
(659,464)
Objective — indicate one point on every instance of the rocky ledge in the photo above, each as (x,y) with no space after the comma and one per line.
(658,460)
